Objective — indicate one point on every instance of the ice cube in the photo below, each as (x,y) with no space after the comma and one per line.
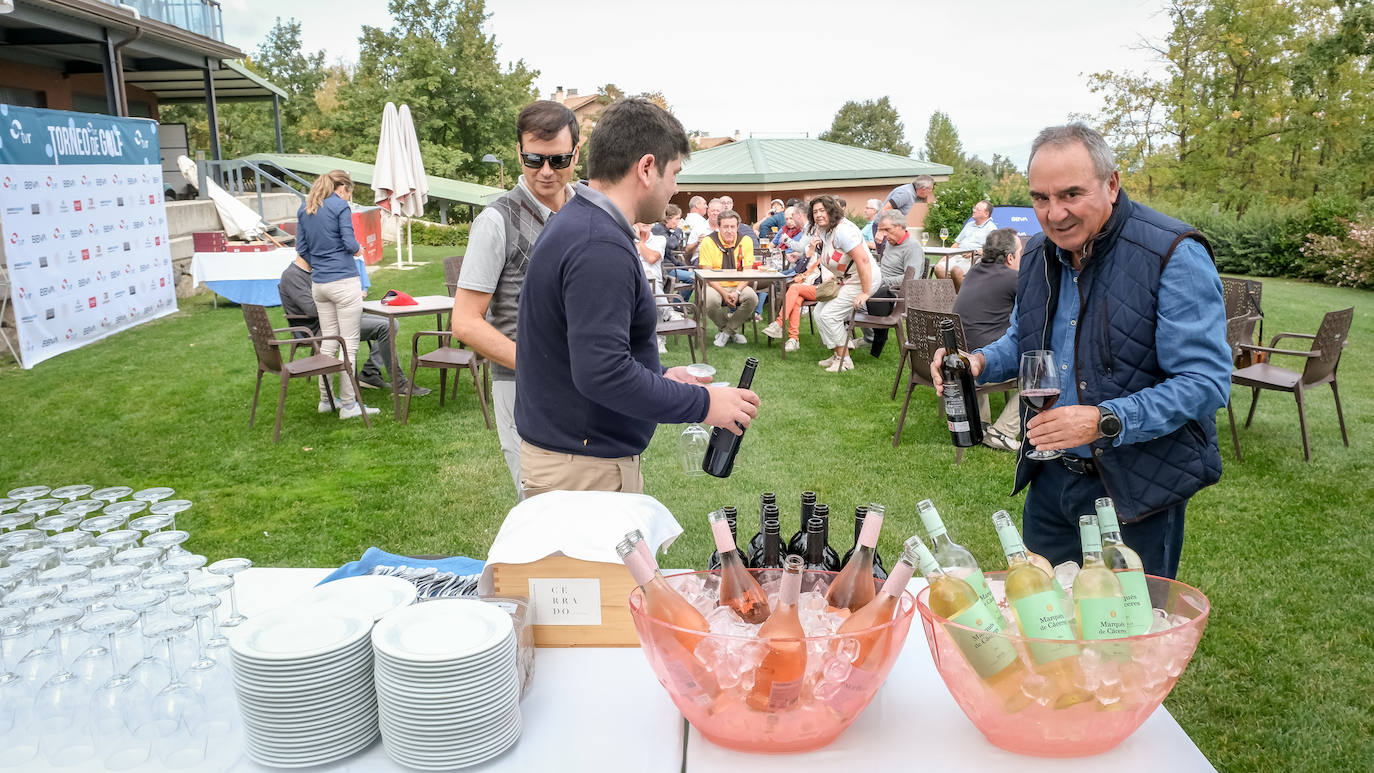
(814,601)
(1065,574)
(847,649)
(722,619)
(709,651)
(1037,688)
(1160,622)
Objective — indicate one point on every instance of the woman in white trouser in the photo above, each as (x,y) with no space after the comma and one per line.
(324,239)
(843,253)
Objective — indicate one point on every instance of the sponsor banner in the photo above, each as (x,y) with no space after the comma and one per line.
(84,227)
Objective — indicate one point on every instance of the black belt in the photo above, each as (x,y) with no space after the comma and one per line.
(1078,465)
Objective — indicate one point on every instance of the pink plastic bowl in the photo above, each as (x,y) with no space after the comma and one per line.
(833,695)
(1127,678)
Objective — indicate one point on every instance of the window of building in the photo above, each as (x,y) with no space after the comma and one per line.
(23,97)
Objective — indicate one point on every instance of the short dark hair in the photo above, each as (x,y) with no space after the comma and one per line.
(833,209)
(999,245)
(545,119)
(728,214)
(795,202)
(629,130)
(671,211)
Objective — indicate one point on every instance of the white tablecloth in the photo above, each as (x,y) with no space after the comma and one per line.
(592,709)
(230,266)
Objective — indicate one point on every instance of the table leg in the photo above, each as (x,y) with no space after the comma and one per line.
(395,368)
(700,292)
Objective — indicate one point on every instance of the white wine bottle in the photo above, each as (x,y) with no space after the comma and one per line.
(1097,597)
(1038,604)
(992,656)
(1130,572)
(953,557)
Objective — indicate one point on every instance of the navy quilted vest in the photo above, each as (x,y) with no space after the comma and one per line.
(1115,354)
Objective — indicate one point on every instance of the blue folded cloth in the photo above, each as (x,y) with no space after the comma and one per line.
(444,576)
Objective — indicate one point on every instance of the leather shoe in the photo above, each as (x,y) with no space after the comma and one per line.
(419,390)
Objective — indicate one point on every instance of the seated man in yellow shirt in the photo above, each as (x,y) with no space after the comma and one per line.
(728,304)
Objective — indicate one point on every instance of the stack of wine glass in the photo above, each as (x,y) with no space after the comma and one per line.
(112,649)
(448,691)
(303,676)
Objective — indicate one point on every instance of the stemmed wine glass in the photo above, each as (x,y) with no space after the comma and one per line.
(60,702)
(81,507)
(214,585)
(169,541)
(73,492)
(148,671)
(17,744)
(12,521)
(9,503)
(112,493)
(150,523)
(228,567)
(695,437)
(171,507)
(944,235)
(119,540)
(154,494)
(120,704)
(125,509)
(40,507)
(178,712)
(28,493)
(1039,383)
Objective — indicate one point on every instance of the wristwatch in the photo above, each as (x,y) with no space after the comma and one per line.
(1108,423)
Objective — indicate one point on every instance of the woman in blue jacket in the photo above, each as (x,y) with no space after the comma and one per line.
(324,239)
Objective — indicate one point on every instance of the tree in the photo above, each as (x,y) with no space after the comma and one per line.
(869,124)
(281,59)
(942,142)
(954,202)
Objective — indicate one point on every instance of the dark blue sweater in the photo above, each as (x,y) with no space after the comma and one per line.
(588,379)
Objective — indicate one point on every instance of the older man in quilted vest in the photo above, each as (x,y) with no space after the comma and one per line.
(1130,303)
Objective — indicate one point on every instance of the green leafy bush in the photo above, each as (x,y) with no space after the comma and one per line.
(432,235)
(1348,259)
(1268,240)
(954,202)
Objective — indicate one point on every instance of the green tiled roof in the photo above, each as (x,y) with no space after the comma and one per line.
(786,160)
(439,187)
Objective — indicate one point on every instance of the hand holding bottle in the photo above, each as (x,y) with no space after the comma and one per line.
(731,409)
(976,363)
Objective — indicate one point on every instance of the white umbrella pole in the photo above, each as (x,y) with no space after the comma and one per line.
(410,245)
(400,252)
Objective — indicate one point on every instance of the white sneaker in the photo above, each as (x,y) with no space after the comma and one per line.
(827,362)
(839,366)
(773,331)
(326,407)
(722,338)
(739,338)
(355,410)
(792,345)
(662,345)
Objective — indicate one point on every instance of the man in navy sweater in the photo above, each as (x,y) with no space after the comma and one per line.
(589,387)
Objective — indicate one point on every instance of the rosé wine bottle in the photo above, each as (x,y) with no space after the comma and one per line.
(779,677)
(738,588)
(852,588)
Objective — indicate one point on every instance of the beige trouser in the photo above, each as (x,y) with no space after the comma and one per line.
(1009,423)
(503,406)
(832,316)
(339,306)
(731,320)
(542,471)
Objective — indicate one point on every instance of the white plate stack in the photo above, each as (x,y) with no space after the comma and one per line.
(303,677)
(448,694)
(303,673)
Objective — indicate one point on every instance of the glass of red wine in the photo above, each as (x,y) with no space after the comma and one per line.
(1039,385)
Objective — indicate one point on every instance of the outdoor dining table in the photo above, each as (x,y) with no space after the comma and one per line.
(599,709)
(703,275)
(438,305)
(944,252)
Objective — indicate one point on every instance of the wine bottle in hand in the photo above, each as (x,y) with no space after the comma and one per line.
(959,393)
(720,453)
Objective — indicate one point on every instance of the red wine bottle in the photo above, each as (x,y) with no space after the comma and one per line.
(815,546)
(756,542)
(831,558)
(771,526)
(960,394)
(724,444)
(797,545)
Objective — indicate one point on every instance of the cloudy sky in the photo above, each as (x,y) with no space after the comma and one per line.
(1001,70)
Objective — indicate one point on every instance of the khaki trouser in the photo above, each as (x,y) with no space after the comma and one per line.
(730,320)
(339,305)
(1009,422)
(542,471)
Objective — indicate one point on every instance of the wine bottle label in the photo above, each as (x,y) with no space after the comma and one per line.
(784,695)
(1042,617)
(954,408)
(1136,600)
(987,652)
(873,524)
(1102,618)
(685,684)
(1091,537)
(853,692)
(1106,516)
(725,541)
(979,584)
(930,518)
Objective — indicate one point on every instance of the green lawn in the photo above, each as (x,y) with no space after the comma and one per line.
(1275,686)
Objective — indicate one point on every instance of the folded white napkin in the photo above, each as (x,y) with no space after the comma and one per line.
(579,524)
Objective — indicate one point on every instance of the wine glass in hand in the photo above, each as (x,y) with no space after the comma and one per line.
(944,236)
(1039,385)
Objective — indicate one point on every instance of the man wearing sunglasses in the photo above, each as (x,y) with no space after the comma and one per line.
(485,303)
(591,390)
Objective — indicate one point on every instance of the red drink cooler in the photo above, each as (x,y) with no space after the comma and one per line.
(367,229)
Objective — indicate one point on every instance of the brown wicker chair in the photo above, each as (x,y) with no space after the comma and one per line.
(928,295)
(1242,299)
(923,338)
(453,267)
(689,325)
(445,357)
(266,347)
(1323,357)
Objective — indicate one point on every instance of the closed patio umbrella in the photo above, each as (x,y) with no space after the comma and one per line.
(395,181)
